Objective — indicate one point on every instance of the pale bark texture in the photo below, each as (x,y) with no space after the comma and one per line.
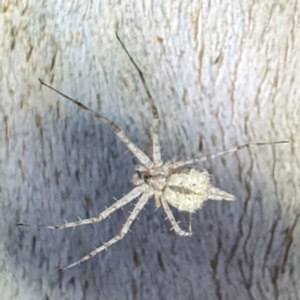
(222,73)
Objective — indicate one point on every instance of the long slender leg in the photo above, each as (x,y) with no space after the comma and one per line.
(123,201)
(201,158)
(155,122)
(190,222)
(137,152)
(170,216)
(139,206)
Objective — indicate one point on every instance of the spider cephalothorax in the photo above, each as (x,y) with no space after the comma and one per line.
(171,183)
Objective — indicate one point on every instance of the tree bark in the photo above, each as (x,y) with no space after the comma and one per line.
(222,73)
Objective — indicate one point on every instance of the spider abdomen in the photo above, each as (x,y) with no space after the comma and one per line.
(187,190)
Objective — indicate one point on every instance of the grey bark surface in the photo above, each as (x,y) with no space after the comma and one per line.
(222,73)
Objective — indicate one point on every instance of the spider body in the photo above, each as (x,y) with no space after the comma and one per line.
(185,189)
(171,183)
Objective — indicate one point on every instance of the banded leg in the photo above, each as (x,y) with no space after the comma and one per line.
(171,218)
(155,122)
(123,201)
(201,158)
(136,151)
(139,206)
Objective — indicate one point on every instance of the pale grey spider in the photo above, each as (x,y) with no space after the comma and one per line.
(169,183)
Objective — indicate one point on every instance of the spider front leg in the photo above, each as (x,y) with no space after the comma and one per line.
(138,207)
(136,151)
(201,158)
(170,216)
(123,201)
(155,137)
(155,122)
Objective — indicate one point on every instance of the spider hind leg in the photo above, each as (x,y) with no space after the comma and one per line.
(138,207)
(120,203)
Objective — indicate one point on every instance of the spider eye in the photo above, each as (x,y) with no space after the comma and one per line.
(146,176)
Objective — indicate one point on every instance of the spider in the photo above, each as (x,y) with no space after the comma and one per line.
(171,183)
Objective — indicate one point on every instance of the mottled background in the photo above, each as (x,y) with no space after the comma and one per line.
(222,73)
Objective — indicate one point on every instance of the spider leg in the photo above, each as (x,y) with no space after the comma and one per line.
(170,216)
(190,222)
(137,152)
(139,206)
(157,200)
(201,158)
(123,201)
(155,122)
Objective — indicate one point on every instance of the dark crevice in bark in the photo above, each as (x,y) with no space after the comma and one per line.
(240,231)
(288,241)
(244,278)
(214,265)
(269,245)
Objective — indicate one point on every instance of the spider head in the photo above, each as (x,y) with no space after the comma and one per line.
(140,177)
(155,177)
